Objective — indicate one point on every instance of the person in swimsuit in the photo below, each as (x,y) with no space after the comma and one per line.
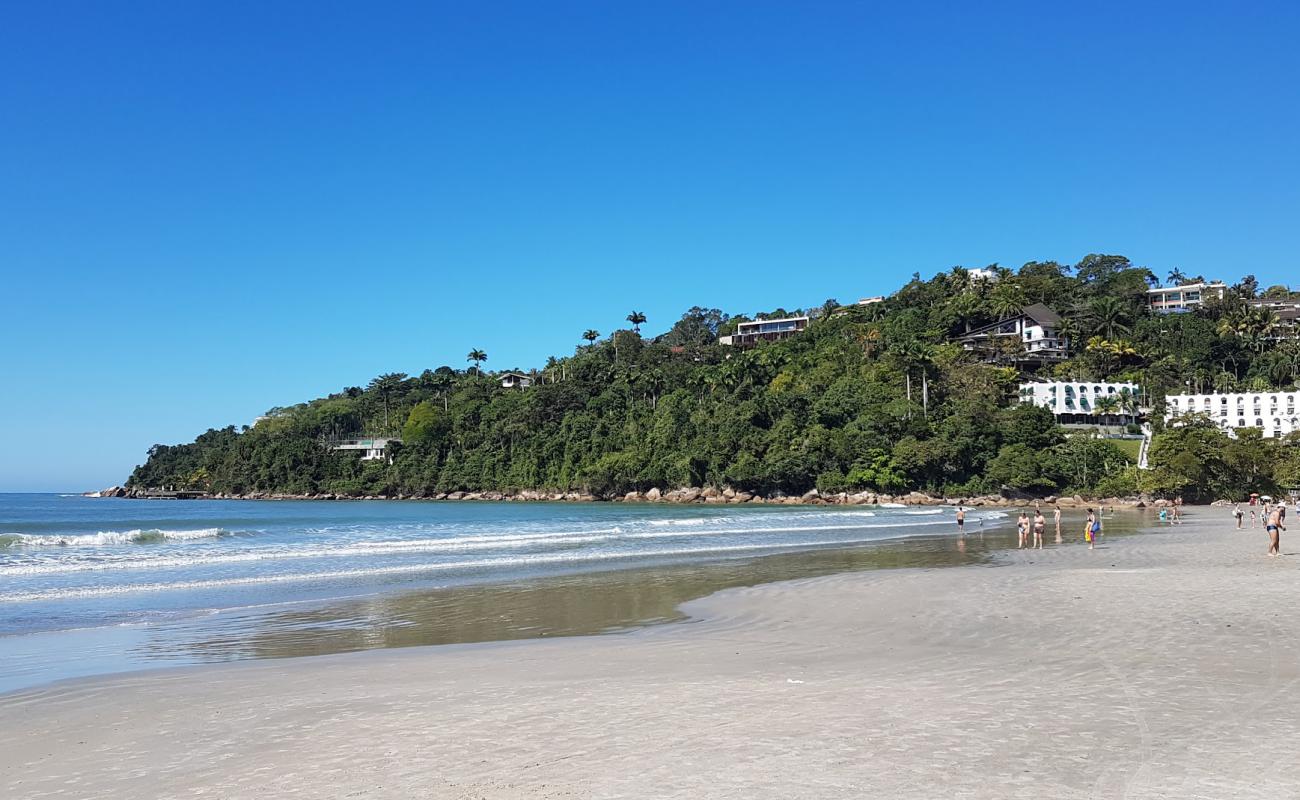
(1056,517)
(1090,529)
(1022,528)
(1236,512)
(961,520)
(1040,526)
(1273,524)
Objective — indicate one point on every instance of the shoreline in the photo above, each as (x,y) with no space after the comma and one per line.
(1153,666)
(681,496)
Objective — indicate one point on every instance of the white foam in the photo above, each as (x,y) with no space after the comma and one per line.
(507,562)
(107,538)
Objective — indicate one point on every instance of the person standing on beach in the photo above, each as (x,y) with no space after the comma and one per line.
(1040,527)
(1273,524)
(1090,529)
(1178,511)
(1236,512)
(1056,517)
(1022,528)
(1254,501)
(961,520)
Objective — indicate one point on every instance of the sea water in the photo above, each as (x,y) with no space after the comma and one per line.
(92,585)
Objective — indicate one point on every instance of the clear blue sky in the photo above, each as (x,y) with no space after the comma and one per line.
(210,209)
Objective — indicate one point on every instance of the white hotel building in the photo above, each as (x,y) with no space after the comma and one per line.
(1275,413)
(1075,401)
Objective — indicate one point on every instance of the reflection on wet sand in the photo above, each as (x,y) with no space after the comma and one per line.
(557,606)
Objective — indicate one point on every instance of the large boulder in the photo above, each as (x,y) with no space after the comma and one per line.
(654,494)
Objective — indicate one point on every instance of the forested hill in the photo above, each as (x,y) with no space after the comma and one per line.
(870,397)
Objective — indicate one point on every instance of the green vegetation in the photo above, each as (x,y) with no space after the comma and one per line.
(873,397)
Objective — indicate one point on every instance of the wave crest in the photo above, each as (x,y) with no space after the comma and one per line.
(103,538)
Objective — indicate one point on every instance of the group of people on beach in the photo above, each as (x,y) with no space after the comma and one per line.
(1031,532)
(1172,513)
(1271,514)
(1036,527)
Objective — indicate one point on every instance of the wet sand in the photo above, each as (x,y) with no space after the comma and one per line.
(1157,666)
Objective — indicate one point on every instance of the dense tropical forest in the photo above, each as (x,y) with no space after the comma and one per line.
(870,397)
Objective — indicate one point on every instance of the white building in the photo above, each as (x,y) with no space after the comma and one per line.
(1176,299)
(1030,336)
(1275,413)
(515,380)
(764,330)
(372,448)
(982,274)
(1076,401)
(870,301)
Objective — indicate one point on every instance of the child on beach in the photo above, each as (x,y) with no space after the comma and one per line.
(1092,526)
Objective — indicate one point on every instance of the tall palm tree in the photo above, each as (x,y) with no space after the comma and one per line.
(440,383)
(591,335)
(386,386)
(1109,317)
(478,357)
(1176,277)
(636,318)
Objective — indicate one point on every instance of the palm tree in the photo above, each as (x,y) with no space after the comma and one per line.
(591,335)
(1106,406)
(385,386)
(1176,277)
(1008,300)
(478,357)
(440,383)
(1109,317)
(636,318)
(966,308)
(1068,331)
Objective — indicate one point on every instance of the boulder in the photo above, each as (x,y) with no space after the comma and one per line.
(456,495)
(654,495)
(710,492)
(810,495)
(688,494)
(741,497)
(632,497)
(728,492)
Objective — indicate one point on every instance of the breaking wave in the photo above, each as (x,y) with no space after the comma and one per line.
(106,538)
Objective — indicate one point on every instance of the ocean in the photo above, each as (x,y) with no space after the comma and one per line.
(91,586)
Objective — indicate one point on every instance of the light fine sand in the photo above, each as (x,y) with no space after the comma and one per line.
(1157,666)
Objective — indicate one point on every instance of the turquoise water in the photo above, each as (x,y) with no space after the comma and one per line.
(92,585)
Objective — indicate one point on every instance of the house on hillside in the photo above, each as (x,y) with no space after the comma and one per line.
(1075,402)
(515,380)
(1274,413)
(1177,299)
(1030,337)
(372,448)
(749,334)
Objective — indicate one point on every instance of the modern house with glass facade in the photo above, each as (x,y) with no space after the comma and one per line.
(1176,299)
(749,334)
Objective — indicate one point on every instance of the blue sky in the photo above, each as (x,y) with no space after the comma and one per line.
(210,209)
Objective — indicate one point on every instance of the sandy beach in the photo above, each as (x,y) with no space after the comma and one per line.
(1156,666)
